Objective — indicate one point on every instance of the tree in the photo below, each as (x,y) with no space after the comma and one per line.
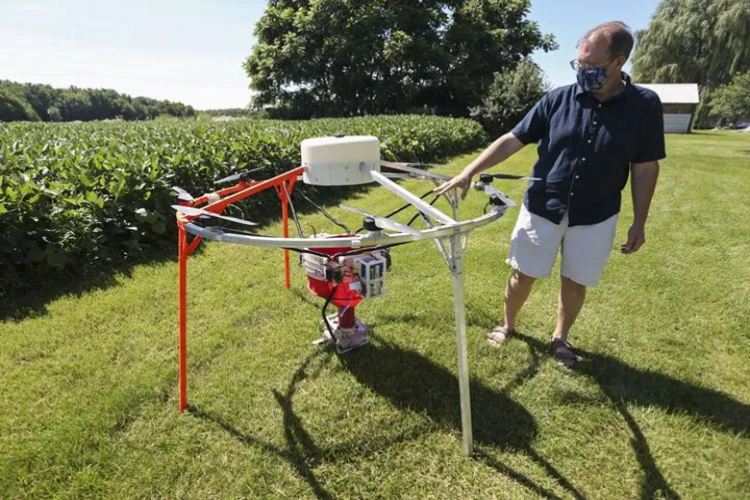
(104,104)
(695,41)
(512,94)
(54,114)
(352,57)
(75,104)
(14,107)
(731,103)
(41,98)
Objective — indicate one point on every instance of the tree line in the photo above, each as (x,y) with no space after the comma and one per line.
(471,57)
(37,102)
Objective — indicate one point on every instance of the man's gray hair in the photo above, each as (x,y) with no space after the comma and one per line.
(617,33)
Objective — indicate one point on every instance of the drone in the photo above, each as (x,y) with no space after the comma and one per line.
(348,268)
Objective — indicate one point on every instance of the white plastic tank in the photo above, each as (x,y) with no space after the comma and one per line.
(340,160)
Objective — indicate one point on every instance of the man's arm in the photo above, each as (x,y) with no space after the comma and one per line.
(643,184)
(499,151)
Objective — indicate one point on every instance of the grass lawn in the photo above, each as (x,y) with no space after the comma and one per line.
(661,408)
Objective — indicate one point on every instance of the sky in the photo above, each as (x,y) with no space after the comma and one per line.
(192,51)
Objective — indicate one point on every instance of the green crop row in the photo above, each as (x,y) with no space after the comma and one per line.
(80,194)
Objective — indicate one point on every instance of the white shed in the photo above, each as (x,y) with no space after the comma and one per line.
(680,101)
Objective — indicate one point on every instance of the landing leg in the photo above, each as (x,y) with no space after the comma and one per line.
(457,272)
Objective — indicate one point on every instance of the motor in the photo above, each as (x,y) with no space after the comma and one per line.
(344,281)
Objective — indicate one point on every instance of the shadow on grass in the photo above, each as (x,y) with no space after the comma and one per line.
(528,373)
(301,451)
(412,381)
(17,305)
(625,385)
(308,298)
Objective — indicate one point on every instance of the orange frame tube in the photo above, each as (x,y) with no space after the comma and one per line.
(284,185)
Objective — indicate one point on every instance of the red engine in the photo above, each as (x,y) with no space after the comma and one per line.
(344,280)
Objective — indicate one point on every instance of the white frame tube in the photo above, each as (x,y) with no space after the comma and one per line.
(409,197)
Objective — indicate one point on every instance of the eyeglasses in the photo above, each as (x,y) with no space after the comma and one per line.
(576,65)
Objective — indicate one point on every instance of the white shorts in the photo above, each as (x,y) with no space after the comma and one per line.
(585,249)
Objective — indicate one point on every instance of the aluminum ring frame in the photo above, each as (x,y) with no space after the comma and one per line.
(366,240)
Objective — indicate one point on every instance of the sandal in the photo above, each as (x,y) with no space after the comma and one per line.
(564,353)
(499,335)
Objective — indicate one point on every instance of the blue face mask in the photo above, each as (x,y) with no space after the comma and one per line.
(592,80)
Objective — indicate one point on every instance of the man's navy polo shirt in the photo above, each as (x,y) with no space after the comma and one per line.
(585,150)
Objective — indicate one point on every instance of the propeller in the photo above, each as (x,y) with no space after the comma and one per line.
(237,176)
(193,211)
(488,177)
(394,175)
(494,193)
(384,222)
(182,195)
(413,171)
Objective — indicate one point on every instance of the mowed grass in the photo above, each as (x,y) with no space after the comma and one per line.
(661,408)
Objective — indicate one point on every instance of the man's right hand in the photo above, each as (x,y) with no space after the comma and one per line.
(497,152)
(461,181)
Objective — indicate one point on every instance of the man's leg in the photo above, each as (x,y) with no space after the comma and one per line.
(572,296)
(585,251)
(516,292)
(534,245)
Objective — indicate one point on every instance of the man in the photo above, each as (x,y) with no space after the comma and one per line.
(590,136)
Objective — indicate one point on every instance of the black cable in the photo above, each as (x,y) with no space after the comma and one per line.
(307,251)
(410,205)
(325,306)
(313,252)
(294,213)
(366,249)
(232,205)
(411,221)
(248,233)
(323,211)
(402,208)
(296,219)
(239,231)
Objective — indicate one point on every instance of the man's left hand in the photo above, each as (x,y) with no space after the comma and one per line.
(636,239)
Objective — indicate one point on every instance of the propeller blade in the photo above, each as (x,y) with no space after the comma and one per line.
(384,222)
(182,194)
(513,177)
(393,175)
(193,211)
(489,190)
(356,210)
(417,172)
(237,176)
